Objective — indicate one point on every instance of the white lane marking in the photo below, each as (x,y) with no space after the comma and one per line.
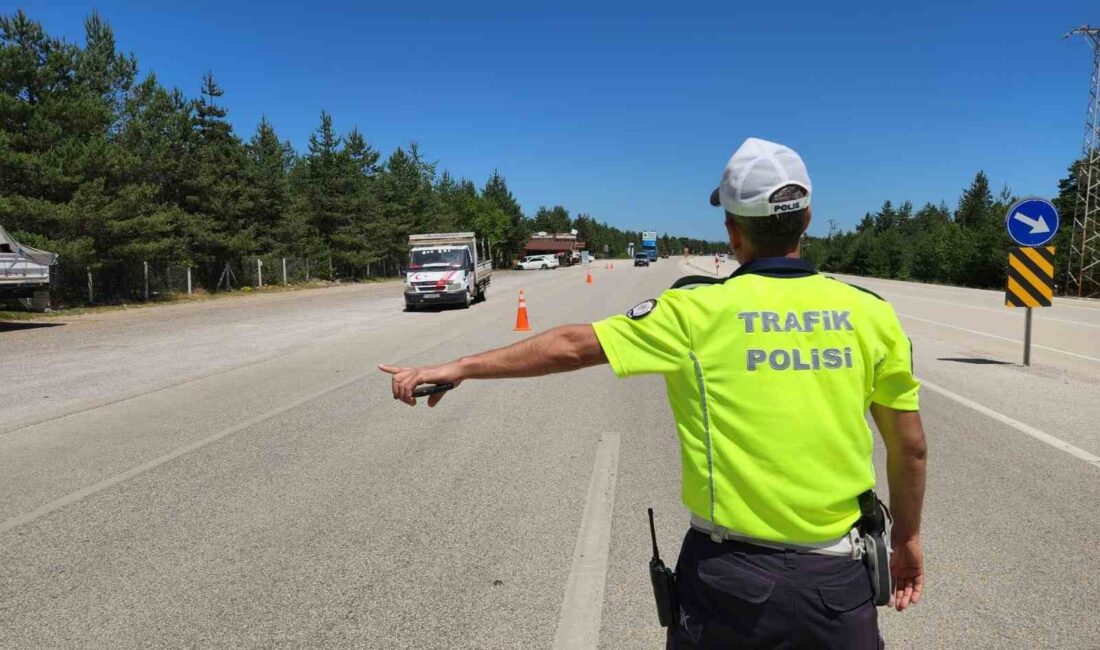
(1059,301)
(1016,424)
(88,491)
(1001,338)
(1002,310)
(582,607)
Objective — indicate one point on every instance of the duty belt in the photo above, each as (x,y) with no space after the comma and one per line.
(850,545)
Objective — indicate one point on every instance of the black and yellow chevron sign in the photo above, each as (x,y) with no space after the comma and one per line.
(1030,277)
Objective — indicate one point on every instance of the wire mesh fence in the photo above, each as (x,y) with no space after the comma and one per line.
(152,280)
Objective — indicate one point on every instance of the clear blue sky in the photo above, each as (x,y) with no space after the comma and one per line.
(629,111)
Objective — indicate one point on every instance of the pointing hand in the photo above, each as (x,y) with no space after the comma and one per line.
(405,380)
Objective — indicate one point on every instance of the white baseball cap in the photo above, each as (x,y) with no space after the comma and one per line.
(755,171)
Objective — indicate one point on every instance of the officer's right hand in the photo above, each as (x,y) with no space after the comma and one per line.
(405,380)
(907,570)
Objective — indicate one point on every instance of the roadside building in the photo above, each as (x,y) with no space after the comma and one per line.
(566,246)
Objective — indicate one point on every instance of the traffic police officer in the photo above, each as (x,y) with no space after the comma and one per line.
(770,374)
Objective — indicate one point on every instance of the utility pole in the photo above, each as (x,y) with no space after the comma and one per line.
(1083,274)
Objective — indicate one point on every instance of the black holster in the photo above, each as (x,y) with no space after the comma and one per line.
(664,592)
(874,526)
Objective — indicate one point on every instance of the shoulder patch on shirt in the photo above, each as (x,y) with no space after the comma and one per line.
(642,309)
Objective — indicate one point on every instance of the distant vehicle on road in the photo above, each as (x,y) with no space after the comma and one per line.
(445,269)
(543,262)
(641,259)
(664,256)
(24,272)
(649,244)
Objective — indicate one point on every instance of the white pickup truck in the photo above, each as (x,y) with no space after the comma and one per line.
(24,272)
(446,269)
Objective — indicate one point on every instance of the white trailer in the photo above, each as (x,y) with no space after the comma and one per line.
(446,269)
(24,272)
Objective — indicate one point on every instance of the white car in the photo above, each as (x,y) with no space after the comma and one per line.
(538,262)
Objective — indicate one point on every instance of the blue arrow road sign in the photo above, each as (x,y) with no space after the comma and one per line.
(1032,221)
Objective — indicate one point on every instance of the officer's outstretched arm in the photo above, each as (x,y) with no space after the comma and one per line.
(569,347)
(906,458)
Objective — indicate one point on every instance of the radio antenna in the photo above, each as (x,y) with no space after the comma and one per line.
(653,535)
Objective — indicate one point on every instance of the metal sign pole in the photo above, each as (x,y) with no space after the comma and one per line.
(1032,223)
(1027,337)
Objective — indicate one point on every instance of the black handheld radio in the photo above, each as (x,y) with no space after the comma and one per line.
(664,582)
(425,390)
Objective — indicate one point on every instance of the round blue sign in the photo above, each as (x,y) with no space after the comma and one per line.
(1032,221)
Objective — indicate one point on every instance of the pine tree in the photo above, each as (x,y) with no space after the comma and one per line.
(886,217)
(496,192)
(106,74)
(268,188)
(452,213)
(551,220)
(214,183)
(356,242)
(407,200)
(37,179)
(867,223)
(976,202)
(318,208)
(65,177)
(1066,204)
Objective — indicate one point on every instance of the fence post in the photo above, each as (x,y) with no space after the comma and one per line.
(146,266)
(284,271)
(260,272)
(307,269)
(189,280)
(91,295)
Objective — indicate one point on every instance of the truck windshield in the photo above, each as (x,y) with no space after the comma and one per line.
(453,258)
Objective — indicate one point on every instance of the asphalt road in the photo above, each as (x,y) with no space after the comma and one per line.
(235,474)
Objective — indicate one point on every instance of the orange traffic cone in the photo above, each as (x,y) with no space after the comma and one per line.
(587,276)
(521,315)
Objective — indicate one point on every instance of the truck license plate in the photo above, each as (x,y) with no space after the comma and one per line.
(431,295)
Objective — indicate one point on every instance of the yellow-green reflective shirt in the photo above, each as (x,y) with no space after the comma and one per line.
(770,375)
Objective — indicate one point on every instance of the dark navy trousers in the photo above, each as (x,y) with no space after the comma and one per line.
(737,595)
